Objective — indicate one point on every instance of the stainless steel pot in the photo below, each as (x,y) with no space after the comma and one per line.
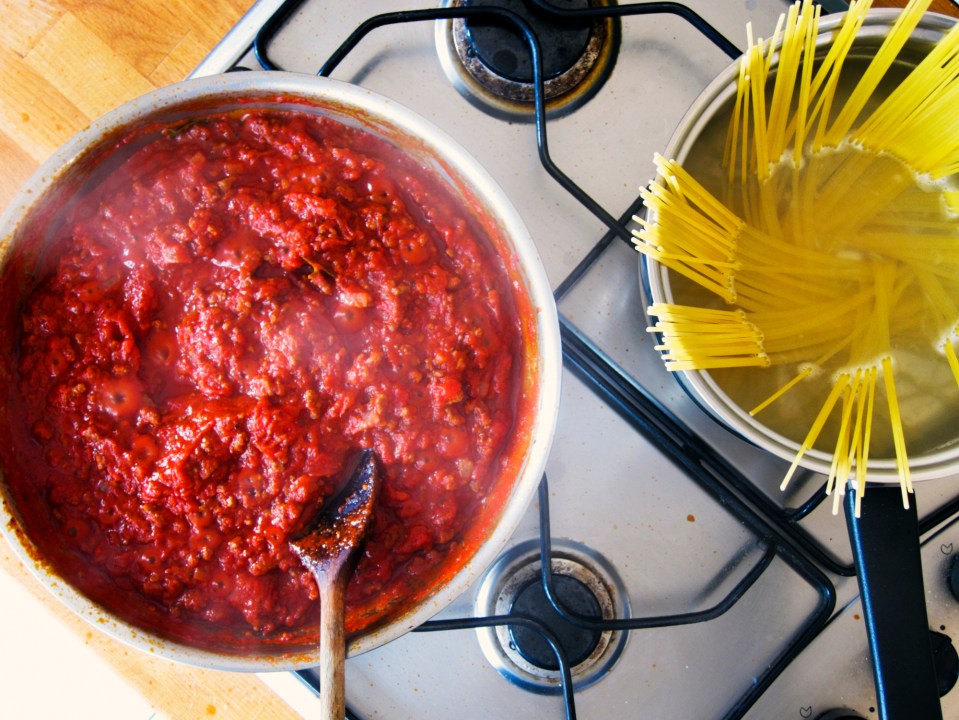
(72,167)
(885,540)
(697,144)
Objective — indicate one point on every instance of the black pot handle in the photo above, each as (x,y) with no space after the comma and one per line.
(885,543)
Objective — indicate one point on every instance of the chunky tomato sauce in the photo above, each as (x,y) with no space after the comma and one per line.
(222,323)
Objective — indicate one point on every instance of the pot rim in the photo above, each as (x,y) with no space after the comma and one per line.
(379,114)
(655,280)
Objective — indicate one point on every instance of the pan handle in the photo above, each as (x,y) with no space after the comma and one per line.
(885,543)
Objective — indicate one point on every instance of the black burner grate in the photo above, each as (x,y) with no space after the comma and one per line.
(781,536)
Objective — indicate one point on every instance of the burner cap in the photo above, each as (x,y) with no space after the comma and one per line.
(584,584)
(504,50)
(489,62)
(577,642)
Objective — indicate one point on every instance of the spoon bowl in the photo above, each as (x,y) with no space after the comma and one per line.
(328,548)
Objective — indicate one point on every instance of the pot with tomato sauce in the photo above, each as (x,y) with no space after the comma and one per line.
(211,300)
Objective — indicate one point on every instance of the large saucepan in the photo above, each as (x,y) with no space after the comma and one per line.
(69,172)
(885,538)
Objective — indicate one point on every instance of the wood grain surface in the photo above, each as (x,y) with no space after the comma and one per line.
(64,63)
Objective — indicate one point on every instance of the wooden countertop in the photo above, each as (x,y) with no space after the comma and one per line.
(64,63)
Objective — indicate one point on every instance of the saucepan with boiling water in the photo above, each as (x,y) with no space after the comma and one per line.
(801,258)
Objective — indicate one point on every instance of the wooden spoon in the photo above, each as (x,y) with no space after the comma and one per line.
(328,549)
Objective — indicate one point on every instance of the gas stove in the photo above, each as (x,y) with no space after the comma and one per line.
(682,582)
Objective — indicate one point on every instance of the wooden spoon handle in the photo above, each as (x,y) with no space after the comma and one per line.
(332,646)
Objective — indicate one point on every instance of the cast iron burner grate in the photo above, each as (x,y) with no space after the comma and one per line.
(778,536)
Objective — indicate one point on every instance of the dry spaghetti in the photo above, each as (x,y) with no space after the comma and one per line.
(834,242)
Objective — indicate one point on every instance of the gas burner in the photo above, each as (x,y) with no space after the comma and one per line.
(583,583)
(489,62)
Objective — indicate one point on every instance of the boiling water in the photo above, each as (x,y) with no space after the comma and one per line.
(855,193)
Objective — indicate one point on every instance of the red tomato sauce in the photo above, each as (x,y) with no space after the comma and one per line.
(233,312)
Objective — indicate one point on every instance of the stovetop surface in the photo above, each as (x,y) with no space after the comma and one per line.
(682,510)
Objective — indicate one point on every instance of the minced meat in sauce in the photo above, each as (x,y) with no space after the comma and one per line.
(231,314)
